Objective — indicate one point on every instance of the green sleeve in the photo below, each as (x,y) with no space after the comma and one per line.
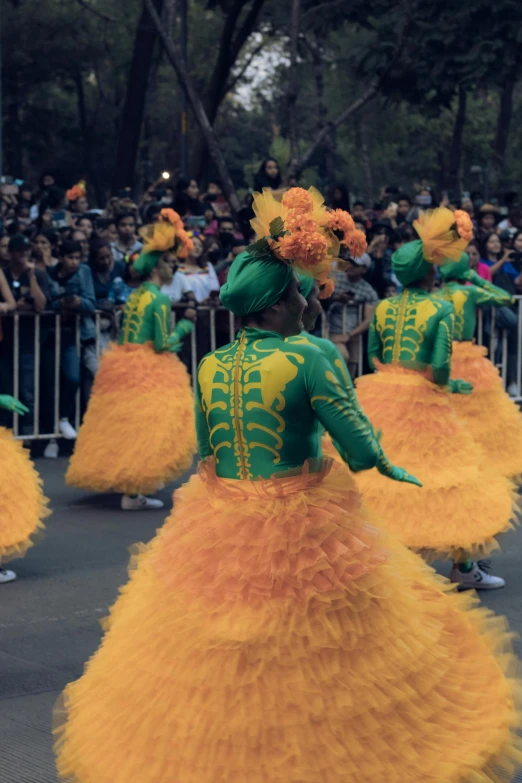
(374,343)
(485,292)
(351,432)
(182,329)
(202,434)
(161,323)
(442,349)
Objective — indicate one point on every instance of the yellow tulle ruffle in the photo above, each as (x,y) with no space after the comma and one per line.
(139,431)
(462,506)
(23,505)
(270,633)
(488,413)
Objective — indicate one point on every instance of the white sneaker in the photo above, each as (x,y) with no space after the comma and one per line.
(6,576)
(140,503)
(513,390)
(67,430)
(478,578)
(51,451)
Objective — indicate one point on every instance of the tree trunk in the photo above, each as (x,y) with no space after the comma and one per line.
(499,146)
(454,182)
(362,143)
(133,110)
(292,93)
(13,161)
(197,107)
(87,139)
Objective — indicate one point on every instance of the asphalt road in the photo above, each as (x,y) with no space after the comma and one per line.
(49,617)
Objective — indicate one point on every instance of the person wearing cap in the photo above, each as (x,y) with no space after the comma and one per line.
(463,506)
(270,632)
(30,289)
(22,502)
(138,431)
(352,292)
(489,414)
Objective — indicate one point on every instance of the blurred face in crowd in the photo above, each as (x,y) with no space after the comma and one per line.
(209,216)
(467,205)
(391,290)
(226,232)
(79,236)
(4,250)
(80,205)
(26,193)
(48,181)
(474,256)
(103,261)
(355,271)
(359,224)
(403,207)
(313,309)
(42,246)
(126,229)
(494,245)
(338,194)
(165,268)
(193,190)
(358,212)
(47,216)
(109,233)
(213,189)
(517,244)
(487,221)
(20,257)
(71,262)
(271,169)
(85,225)
(197,250)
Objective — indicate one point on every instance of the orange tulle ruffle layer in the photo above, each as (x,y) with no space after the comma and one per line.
(23,505)
(489,414)
(462,506)
(271,634)
(138,432)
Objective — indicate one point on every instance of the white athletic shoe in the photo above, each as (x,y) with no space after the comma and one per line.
(67,430)
(140,503)
(51,451)
(478,578)
(6,576)
(513,390)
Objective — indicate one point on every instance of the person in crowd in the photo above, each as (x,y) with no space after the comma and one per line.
(127,241)
(475,262)
(187,202)
(378,271)
(22,214)
(359,214)
(179,288)
(269,176)
(211,222)
(152,212)
(106,229)
(81,238)
(55,204)
(77,198)
(122,287)
(45,247)
(4,251)
(86,224)
(200,274)
(46,182)
(23,504)
(404,206)
(345,326)
(340,198)
(512,222)
(30,289)
(216,198)
(487,220)
(71,295)
(104,271)
(138,431)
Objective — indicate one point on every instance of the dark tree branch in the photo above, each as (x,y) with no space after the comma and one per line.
(95,11)
(171,14)
(197,107)
(246,29)
(321,7)
(248,62)
(292,93)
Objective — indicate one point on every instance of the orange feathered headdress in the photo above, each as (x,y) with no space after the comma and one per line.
(167,234)
(444,234)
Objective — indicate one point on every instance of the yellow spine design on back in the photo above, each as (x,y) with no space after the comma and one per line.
(241,450)
(210,368)
(400,324)
(134,313)
(415,324)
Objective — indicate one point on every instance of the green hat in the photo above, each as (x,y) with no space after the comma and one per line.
(146,262)
(255,281)
(455,270)
(306,284)
(409,264)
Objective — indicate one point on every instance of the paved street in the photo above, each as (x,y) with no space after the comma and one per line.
(49,618)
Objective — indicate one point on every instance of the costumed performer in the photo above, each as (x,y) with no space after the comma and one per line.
(270,633)
(23,505)
(489,414)
(462,507)
(138,432)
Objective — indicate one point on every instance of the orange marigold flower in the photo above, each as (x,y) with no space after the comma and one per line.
(340,220)
(327,289)
(464,224)
(169,215)
(187,245)
(357,243)
(309,248)
(298,199)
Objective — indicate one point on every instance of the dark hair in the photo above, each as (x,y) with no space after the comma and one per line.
(51,236)
(122,216)
(519,233)
(359,204)
(344,201)
(55,197)
(104,223)
(262,180)
(483,245)
(94,248)
(404,197)
(87,216)
(225,219)
(68,247)
(152,211)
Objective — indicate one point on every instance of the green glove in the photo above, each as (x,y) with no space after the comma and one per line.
(395,473)
(175,345)
(472,277)
(457,386)
(10,404)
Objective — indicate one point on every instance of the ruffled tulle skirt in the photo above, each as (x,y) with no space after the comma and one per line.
(138,432)
(23,505)
(271,634)
(488,413)
(462,505)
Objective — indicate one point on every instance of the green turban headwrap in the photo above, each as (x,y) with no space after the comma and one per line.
(146,262)
(255,282)
(306,284)
(409,264)
(455,270)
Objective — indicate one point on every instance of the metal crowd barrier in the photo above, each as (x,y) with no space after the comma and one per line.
(207,317)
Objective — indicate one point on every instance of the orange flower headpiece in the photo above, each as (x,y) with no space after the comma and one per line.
(185,243)
(444,234)
(167,234)
(299,230)
(77,191)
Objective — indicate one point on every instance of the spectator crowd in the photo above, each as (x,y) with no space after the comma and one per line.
(59,256)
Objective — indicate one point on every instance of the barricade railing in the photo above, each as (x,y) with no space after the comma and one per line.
(215,326)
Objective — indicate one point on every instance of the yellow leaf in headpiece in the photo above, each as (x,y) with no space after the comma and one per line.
(266,209)
(437,230)
(158,236)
